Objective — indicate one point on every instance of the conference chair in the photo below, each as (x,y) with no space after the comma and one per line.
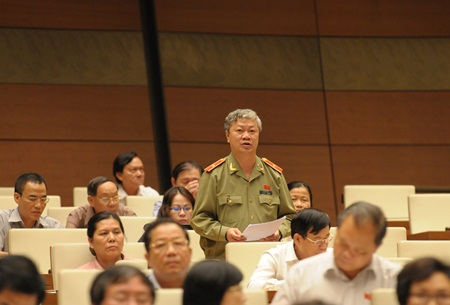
(80,196)
(439,249)
(165,296)
(60,213)
(142,206)
(35,243)
(384,296)
(402,261)
(428,212)
(134,226)
(256,297)
(73,255)
(6,191)
(392,199)
(197,252)
(141,264)
(388,248)
(246,255)
(75,285)
(8,202)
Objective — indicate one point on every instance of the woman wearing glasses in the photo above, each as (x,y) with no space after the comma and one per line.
(106,238)
(422,281)
(178,204)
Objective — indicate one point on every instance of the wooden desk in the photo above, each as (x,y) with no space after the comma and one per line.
(270,295)
(51,298)
(431,235)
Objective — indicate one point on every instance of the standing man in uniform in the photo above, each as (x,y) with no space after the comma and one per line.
(240,189)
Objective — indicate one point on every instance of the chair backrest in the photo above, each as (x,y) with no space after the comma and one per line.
(8,202)
(134,226)
(393,199)
(142,206)
(75,285)
(173,296)
(73,255)
(80,196)
(60,213)
(389,246)
(439,249)
(6,191)
(256,297)
(197,252)
(384,296)
(141,264)
(246,255)
(428,212)
(35,243)
(402,261)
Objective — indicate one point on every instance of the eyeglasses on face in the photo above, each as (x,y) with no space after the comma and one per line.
(35,199)
(424,298)
(178,209)
(162,246)
(134,170)
(321,242)
(106,200)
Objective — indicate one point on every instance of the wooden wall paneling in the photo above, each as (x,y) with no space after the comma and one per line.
(288,117)
(71,57)
(389,117)
(80,14)
(75,113)
(68,164)
(263,17)
(381,64)
(407,18)
(388,164)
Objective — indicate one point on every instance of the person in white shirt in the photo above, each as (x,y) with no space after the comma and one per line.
(348,274)
(128,170)
(310,231)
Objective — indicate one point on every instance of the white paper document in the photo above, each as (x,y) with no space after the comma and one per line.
(260,230)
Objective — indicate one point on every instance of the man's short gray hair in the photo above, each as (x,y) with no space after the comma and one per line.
(242,114)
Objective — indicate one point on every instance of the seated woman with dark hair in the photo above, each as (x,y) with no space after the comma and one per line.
(178,204)
(106,239)
(423,280)
(301,195)
(213,282)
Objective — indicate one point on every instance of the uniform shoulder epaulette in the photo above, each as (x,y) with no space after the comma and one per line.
(214,165)
(273,165)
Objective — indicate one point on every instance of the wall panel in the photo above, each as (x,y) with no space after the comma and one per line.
(393,118)
(86,113)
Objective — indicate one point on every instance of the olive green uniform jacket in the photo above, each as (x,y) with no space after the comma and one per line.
(226,199)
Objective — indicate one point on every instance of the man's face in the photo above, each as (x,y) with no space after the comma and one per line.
(318,243)
(354,246)
(133,291)
(107,198)
(8,297)
(243,136)
(133,174)
(32,202)
(169,253)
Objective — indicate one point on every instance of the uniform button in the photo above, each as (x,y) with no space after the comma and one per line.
(251,217)
(250,200)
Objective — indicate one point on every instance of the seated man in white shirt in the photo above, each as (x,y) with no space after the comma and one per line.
(128,170)
(310,231)
(348,274)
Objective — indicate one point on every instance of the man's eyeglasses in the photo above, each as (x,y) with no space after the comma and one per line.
(106,200)
(321,242)
(41,200)
(164,245)
(423,298)
(178,209)
(134,170)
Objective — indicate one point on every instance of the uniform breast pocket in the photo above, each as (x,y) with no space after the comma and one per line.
(269,202)
(230,209)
